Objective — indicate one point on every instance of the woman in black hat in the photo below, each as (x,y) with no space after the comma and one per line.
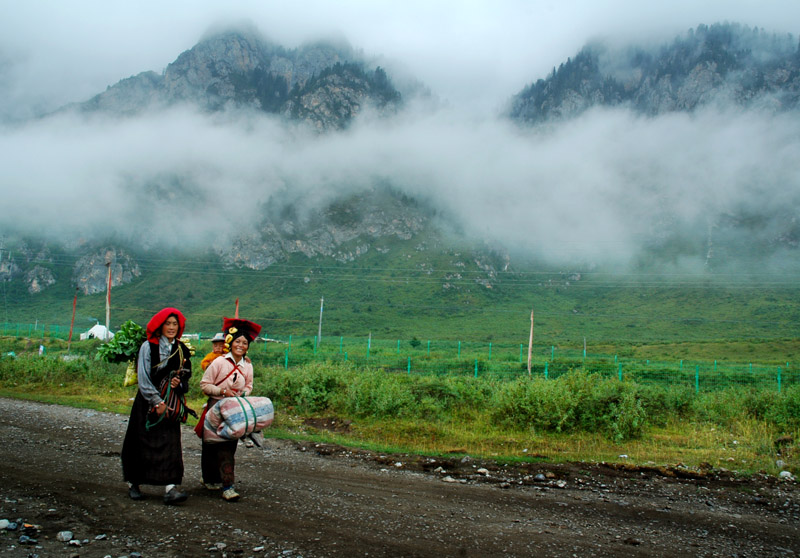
(227,376)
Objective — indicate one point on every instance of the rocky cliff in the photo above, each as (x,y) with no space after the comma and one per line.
(34,263)
(342,230)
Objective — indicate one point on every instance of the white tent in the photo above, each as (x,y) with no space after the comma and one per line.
(97,332)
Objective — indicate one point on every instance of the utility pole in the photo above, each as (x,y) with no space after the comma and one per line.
(530,345)
(72,323)
(319,332)
(108,299)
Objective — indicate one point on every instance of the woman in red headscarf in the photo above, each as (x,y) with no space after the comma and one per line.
(227,376)
(151,452)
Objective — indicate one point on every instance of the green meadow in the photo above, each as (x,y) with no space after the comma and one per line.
(425,349)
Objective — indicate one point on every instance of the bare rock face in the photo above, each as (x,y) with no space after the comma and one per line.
(343,230)
(8,269)
(38,279)
(129,95)
(91,272)
(28,263)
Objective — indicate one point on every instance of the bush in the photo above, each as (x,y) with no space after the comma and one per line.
(377,394)
(785,413)
(574,402)
(662,403)
(735,403)
(309,389)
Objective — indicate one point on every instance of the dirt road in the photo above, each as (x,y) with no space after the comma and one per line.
(61,472)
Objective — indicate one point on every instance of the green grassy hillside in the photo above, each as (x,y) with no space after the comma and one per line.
(420,288)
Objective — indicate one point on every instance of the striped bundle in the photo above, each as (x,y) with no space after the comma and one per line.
(235,417)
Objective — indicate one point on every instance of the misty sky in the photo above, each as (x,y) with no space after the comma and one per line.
(584,180)
(477,52)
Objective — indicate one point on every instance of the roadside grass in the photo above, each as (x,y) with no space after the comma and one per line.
(576,417)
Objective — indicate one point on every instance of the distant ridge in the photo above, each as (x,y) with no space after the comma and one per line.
(722,63)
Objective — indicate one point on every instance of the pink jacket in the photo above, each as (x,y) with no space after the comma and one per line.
(240,382)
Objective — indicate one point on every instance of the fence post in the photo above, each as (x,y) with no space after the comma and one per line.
(341,344)
(315,344)
(520,352)
(345,356)
(620,371)
(552,352)
(398,346)
(715,366)
(286,360)
(476,367)
(409,366)
(545,370)
(290,340)
(429,347)
(459,349)
(696,378)
(681,365)
(490,351)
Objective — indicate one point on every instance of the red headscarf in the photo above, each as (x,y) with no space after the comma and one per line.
(155,323)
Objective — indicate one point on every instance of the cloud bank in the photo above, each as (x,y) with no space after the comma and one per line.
(601,188)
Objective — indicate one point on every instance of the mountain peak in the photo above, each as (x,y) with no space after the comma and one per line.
(236,67)
(724,63)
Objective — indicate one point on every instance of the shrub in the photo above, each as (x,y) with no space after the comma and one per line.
(374,393)
(310,388)
(627,417)
(734,403)
(785,413)
(574,402)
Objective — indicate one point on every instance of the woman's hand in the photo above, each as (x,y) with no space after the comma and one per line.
(161,408)
(175,382)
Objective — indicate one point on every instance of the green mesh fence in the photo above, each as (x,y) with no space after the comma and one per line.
(495,360)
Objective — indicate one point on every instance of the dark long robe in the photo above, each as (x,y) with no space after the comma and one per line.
(155,455)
